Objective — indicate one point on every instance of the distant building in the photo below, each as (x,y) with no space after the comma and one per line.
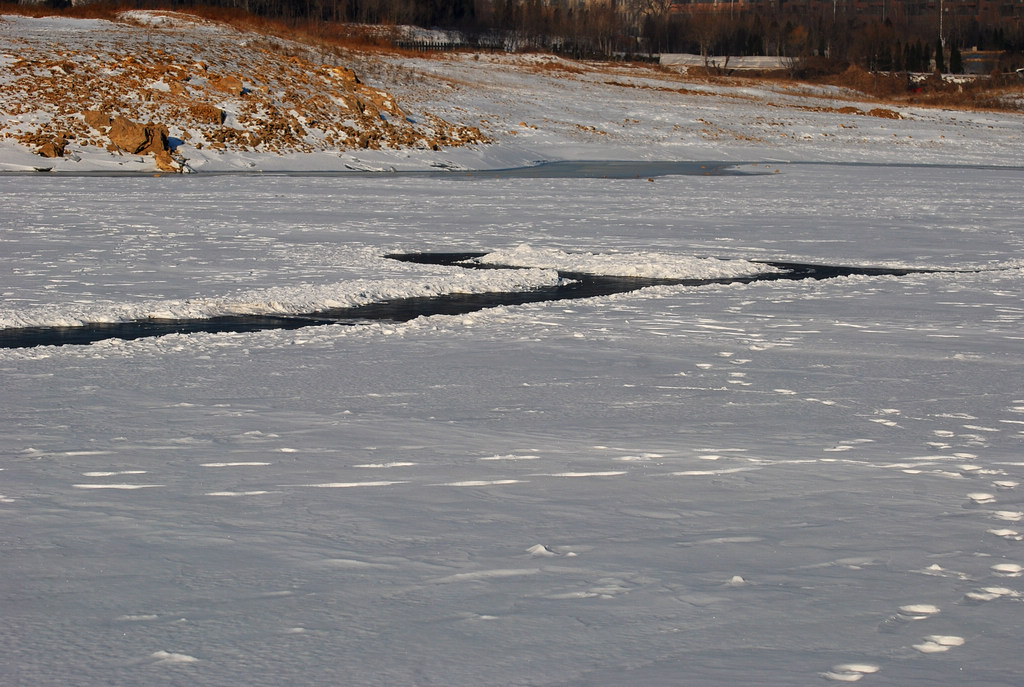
(981,61)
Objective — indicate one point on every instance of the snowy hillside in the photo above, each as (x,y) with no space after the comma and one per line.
(228,99)
(74,89)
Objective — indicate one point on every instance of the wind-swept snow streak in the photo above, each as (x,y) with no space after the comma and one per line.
(640,264)
(284,300)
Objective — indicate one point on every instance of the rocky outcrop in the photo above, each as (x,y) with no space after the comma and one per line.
(97,120)
(257,94)
(166,163)
(135,138)
(54,148)
(231,85)
(46,142)
(205,113)
(141,139)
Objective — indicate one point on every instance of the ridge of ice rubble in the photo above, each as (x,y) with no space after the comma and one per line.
(282,300)
(641,264)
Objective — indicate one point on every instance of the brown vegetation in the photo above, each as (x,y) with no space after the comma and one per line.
(995,92)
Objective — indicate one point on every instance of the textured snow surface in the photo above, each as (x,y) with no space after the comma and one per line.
(786,483)
(281,300)
(777,483)
(629,265)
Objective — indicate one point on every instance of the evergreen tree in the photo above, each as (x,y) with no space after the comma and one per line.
(940,58)
(915,55)
(956,62)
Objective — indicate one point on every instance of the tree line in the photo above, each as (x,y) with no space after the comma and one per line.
(812,32)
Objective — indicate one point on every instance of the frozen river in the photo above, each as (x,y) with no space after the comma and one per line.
(772,483)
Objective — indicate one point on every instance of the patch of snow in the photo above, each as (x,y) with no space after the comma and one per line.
(649,265)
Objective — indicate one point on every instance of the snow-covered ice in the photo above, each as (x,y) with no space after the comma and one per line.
(655,266)
(776,483)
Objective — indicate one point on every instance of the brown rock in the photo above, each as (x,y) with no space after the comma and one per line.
(165,162)
(206,113)
(229,84)
(97,120)
(885,113)
(376,101)
(127,135)
(345,75)
(135,138)
(159,139)
(53,148)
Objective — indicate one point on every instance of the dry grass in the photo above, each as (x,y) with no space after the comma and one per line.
(995,92)
(554,66)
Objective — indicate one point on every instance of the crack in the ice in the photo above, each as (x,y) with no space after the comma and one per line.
(571,285)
